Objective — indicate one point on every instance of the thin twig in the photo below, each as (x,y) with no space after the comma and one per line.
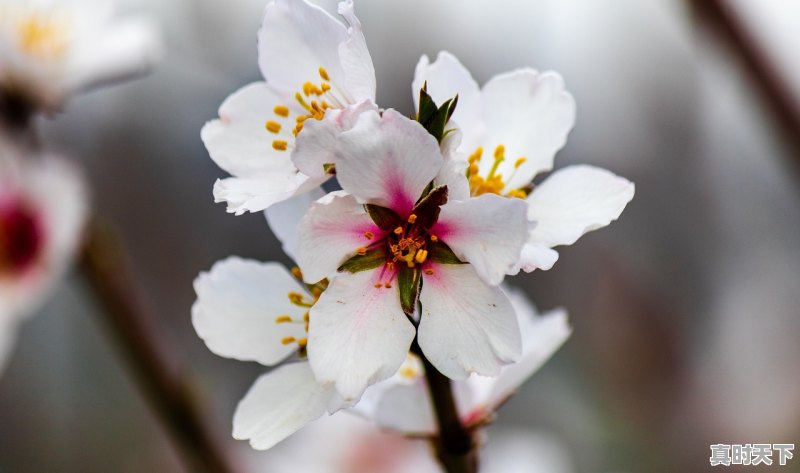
(455,445)
(104,267)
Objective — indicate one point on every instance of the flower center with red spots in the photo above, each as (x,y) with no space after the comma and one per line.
(21,237)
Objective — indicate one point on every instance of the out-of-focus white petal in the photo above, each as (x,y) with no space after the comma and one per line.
(523,451)
(446,78)
(535,256)
(284,217)
(278,404)
(387,160)
(8,335)
(576,200)
(358,334)
(530,113)
(359,73)
(406,408)
(466,326)
(488,232)
(295,40)
(258,193)
(330,232)
(237,304)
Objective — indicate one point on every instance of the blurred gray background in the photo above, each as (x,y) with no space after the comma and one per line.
(686,312)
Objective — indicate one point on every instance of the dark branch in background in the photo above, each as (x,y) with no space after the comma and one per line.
(105,269)
(719,16)
(455,445)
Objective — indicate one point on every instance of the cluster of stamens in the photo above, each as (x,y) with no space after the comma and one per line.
(315,99)
(306,301)
(40,35)
(493,183)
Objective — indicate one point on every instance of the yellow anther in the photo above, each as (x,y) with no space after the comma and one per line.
(302,342)
(361,251)
(387,285)
(390,266)
(408,372)
(378,285)
(429,271)
(273,127)
(306,317)
(519,162)
(282,319)
(412,218)
(476,156)
(287,340)
(500,152)
(295,298)
(308,88)
(316,292)
(302,101)
(325,87)
(280,145)
(281,110)
(518,193)
(324,74)
(434,238)
(369,235)
(42,36)
(473,169)
(421,256)
(297,273)
(398,230)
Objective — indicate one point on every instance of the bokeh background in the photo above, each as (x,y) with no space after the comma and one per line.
(686,312)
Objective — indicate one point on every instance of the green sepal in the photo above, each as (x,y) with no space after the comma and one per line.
(427,210)
(373,258)
(408,282)
(385,219)
(434,117)
(439,252)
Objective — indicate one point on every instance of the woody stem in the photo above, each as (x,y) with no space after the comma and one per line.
(455,445)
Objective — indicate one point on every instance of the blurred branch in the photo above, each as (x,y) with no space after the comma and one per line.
(719,15)
(103,264)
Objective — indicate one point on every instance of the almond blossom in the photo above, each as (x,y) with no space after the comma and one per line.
(43,206)
(391,239)
(318,78)
(51,49)
(511,130)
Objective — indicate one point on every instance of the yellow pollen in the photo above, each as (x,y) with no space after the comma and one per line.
(378,285)
(473,169)
(476,156)
(500,152)
(398,230)
(519,162)
(412,218)
(408,372)
(361,251)
(421,256)
(308,88)
(280,145)
(273,127)
(281,110)
(387,285)
(325,87)
(390,266)
(302,342)
(282,319)
(434,238)
(295,298)
(287,340)
(369,235)
(42,36)
(297,273)
(316,292)
(428,271)
(518,193)
(324,74)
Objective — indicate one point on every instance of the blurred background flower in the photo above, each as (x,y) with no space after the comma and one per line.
(684,312)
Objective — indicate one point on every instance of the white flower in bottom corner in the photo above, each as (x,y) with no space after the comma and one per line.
(318,78)
(405,405)
(50,49)
(511,130)
(43,206)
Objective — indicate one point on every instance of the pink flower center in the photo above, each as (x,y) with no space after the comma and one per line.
(21,237)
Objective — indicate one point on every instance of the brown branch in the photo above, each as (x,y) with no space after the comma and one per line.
(455,445)
(719,16)
(104,267)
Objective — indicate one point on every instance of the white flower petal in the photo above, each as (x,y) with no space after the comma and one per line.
(278,404)
(387,160)
(358,334)
(446,78)
(535,256)
(239,142)
(576,200)
(406,408)
(237,304)
(330,233)
(466,326)
(258,193)
(530,113)
(453,176)
(488,232)
(295,40)
(284,217)
(359,73)
(8,336)
(316,143)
